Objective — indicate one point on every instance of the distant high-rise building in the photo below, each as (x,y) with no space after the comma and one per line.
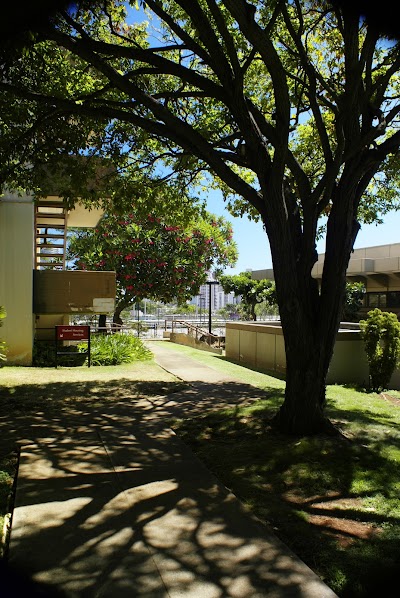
(219,298)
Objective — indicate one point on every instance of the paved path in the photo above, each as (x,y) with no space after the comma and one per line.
(119,506)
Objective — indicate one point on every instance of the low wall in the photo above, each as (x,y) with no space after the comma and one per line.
(180,338)
(262,346)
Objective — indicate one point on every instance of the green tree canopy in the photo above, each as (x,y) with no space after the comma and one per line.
(355,292)
(153,259)
(291,106)
(251,291)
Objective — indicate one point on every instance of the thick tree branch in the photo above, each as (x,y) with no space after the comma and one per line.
(226,36)
(379,88)
(265,48)
(312,93)
(181,33)
(206,33)
(93,52)
(174,129)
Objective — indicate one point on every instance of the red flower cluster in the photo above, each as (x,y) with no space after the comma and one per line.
(166,262)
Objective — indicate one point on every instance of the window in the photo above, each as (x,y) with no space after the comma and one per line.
(390,299)
(393,299)
(376,300)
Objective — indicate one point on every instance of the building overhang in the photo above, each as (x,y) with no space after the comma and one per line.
(379,278)
(73,292)
(83,217)
(377,267)
(79,216)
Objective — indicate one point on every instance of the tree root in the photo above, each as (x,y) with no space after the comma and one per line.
(323,427)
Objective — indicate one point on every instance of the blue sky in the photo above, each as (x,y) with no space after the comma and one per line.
(252,242)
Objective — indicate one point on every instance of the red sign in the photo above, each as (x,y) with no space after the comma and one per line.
(72,333)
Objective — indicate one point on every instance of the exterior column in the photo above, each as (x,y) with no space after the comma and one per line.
(16,275)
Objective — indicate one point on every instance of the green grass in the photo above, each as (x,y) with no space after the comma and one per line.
(230,368)
(334,501)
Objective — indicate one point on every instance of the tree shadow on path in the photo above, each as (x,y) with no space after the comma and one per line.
(110,501)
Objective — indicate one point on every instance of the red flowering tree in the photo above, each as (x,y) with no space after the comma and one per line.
(153,259)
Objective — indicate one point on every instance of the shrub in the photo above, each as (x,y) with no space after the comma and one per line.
(381,332)
(115,349)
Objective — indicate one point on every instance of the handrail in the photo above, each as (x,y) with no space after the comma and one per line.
(197,331)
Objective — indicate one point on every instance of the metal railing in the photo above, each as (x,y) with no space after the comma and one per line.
(199,333)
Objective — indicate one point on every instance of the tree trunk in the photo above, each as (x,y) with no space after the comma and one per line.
(310,316)
(102,328)
(302,411)
(117,320)
(253,312)
(310,321)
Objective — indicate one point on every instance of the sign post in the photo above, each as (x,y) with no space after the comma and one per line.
(72,333)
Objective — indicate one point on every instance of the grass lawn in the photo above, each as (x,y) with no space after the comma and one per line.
(334,501)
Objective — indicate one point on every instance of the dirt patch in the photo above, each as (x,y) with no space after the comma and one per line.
(342,525)
(345,531)
(390,399)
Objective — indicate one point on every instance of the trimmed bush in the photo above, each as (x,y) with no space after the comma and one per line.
(381,332)
(116,349)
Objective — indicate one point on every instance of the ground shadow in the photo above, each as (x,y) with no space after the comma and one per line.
(331,527)
(122,506)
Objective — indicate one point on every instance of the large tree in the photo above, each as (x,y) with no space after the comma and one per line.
(291,106)
(154,259)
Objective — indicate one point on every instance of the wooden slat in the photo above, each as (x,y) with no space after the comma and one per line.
(49,236)
(50,215)
(52,265)
(55,255)
(50,221)
(51,204)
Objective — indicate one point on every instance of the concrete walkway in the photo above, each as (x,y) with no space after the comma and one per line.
(119,506)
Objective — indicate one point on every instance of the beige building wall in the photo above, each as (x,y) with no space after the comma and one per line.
(45,325)
(368,263)
(262,346)
(255,344)
(16,275)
